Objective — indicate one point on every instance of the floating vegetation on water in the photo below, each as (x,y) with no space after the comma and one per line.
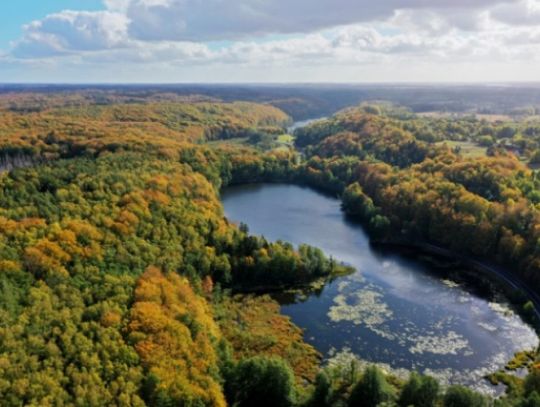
(442,323)
(464,298)
(448,344)
(501,309)
(301,294)
(450,283)
(346,358)
(342,285)
(343,357)
(475,378)
(487,326)
(367,309)
(318,284)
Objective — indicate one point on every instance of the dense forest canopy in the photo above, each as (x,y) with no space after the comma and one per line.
(118,268)
(405,187)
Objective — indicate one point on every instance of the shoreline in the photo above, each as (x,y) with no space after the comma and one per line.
(482,265)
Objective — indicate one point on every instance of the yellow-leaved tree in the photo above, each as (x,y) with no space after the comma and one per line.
(175,335)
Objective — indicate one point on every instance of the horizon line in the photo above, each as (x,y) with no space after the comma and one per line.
(198,83)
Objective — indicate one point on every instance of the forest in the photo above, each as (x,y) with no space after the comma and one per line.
(122,282)
(405,187)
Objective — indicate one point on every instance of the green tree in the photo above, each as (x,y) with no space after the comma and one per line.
(357,203)
(419,391)
(371,390)
(532,401)
(321,393)
(532,382)
(262,382)
(460,396)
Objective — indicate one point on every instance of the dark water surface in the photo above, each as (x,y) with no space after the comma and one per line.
(393,310)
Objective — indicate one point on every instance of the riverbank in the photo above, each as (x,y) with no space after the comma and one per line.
(478,264)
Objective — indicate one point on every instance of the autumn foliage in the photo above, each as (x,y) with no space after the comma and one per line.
(174,333)
(407,189)
(113,241)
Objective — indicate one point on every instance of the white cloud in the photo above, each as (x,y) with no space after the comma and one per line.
(203,20)
(337,35)
(526,12)
(71,31)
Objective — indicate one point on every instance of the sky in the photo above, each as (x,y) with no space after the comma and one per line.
(269,41)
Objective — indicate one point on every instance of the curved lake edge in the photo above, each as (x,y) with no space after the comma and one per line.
(395,247)
(514,289)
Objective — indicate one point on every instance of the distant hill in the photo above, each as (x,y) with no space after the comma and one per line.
(308,101)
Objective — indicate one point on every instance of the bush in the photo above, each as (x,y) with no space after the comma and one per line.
(262,382)
(322,392)
(459,396)
(371,390)
(532,382)
(532,401)
(419,391)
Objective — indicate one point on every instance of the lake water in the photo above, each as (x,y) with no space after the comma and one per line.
(304,123)
(393,310)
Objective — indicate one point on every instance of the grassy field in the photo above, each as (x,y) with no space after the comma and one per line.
(285,139)
(468,148)
(280,143)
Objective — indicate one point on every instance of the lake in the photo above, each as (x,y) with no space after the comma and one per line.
(304,123)
(394,310)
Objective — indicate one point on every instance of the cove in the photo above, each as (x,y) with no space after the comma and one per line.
(394,310)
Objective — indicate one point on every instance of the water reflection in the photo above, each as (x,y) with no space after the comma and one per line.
(395,310)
